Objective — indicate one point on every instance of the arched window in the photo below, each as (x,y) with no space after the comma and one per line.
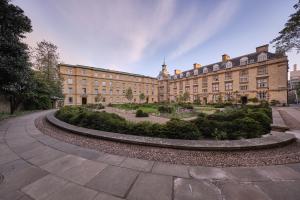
(187,74)
(229,64)
(244,61)
(262,57)
(216,67)
(205,70)
(196,72)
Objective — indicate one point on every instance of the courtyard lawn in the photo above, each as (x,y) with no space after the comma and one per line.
(147,108)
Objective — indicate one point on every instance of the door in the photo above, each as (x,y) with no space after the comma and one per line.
(84,100)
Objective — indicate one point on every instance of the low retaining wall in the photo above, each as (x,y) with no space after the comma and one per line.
(274,139)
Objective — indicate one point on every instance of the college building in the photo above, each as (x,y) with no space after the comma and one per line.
(261,75)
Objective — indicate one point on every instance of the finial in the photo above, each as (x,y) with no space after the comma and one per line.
(164,60)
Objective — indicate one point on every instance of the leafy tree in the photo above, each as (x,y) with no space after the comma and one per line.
(15,69)
(142,97)
(289,36)
(186,96)
(129,94)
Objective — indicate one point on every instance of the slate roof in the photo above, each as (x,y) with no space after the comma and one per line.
(252,58)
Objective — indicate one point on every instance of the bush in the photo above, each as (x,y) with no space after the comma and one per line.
(246,128)
(94,106)
(186,106)
(140,113)
(179,129)
(263,119)
(274,102)
(165,109)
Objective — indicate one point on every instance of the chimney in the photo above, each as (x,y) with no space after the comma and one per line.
(225,57)
(177,71)
(197,65)
(263,48)
(295,67)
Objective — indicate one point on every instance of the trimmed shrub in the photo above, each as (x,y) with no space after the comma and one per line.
(165,109)
(179,129)
(140,113)
(263,119)
(247,128)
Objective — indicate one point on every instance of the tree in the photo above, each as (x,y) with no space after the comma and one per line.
(15,69)
(289,36)
(186,96)
(142,97)
(129,94)
(46,59)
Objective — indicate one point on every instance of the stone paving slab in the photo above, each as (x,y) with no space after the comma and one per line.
(44,187)
(246,174)
(83,173)
(111,159)
(46,156)
(237,191)
(213,173)
(138,164)
(103,196)
(190,189)
(277,173)
(171,170)
(114,180)
(151,187)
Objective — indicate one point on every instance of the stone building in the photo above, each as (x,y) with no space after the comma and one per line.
(85,85)
(261,75)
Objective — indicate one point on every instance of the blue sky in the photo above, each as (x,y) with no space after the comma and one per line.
(136,35)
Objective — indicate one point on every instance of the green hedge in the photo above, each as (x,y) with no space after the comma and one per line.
(80,116)
(140,113)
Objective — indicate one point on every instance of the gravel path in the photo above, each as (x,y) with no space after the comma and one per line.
(282,155)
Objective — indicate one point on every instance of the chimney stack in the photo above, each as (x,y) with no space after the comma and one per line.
(177,71)
(225,57)
(263,48)
(197,65)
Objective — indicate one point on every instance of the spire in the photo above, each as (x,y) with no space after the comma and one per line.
(164,60)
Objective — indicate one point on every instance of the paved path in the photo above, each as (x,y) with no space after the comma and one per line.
(291,117)
(36,166)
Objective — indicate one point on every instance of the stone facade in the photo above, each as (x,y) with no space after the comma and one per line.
(261,75)
(85,85)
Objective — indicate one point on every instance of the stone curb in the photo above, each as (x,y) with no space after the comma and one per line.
(274,139)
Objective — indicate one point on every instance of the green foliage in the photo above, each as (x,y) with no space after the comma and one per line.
(274,102)
(94,106)
(83,117)
(289,36)
(140,113)
(142,97)
(186,105)
(129,94)
(165,109)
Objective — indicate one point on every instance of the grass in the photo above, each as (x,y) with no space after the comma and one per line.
(4,115)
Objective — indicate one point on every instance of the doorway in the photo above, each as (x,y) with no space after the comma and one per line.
(84,100)
(244,100)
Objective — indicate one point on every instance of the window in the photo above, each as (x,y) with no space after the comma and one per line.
(216,67)
(262,70)
(215,98)
(117,76)
(187,82)
(110,84)
(70,81)
(70,100)
(215,78)
(104,91)
(96,83)
(103,75)
(83,81)
(244,61)
(262,83)
(181,75)
(215,87)
(70,90)
(69,71)
(196,72)
(228,96)
(180,85)
(195,89)
(244,87)
(205,70)
(262,57)
(175,76)
(243,76)
(195,81)
(83,90)
(83,72)
(228,75)
(110,76)
(229,64)
(111,91)
(187,74)
(204,90)
(228,86)
(95,74)
(204,82)
(103,83)
(262,95)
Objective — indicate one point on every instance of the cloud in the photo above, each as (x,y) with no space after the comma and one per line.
(205,28)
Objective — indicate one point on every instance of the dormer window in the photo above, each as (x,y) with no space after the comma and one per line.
(181,75)
(196,72)
(175,77)
(215,67)
(205,70)
(229,64)
(187,74)
(244,61)
(262,57)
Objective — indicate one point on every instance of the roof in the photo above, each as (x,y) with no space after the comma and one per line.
(252,58)
(107,70)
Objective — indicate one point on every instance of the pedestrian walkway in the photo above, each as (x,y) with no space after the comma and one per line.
(36,166)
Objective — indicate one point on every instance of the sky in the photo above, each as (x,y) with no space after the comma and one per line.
(137,35)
